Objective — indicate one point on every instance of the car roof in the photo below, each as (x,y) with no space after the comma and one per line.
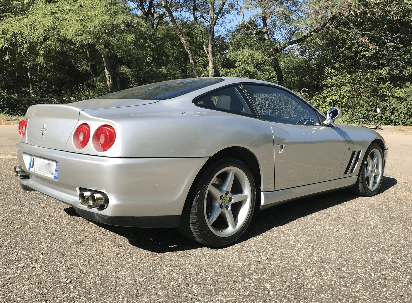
(113,102)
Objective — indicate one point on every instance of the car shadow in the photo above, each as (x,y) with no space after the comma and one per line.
(71,212)
(164,240)
(160,240)
(289,211)
(387,183)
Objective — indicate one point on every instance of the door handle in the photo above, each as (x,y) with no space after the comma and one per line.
(281,148)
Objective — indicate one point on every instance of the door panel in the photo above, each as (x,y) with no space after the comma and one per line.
(305,151)
(307,154)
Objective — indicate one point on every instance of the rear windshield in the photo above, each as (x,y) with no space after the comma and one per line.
(163,90)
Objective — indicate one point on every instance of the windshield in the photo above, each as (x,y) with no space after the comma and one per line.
(163,90)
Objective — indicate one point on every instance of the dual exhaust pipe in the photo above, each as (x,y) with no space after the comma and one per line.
(20,172)
(93,198)
(87,197)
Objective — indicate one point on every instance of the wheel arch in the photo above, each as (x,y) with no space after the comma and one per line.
(379,142)
(242,154)
(382,146)
(360,187)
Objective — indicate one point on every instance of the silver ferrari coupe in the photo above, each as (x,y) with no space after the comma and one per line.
(202,155)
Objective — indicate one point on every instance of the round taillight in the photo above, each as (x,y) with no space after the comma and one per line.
(103,138)
(81,136)
(22,127)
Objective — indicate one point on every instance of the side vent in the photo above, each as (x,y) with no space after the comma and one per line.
(350,162)
(353,162)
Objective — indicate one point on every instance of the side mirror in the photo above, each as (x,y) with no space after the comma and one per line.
(332,114)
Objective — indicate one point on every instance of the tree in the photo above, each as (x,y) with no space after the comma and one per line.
(150,11)
(63,48)
(367,54)
(105,25)
(282,24)
(204,13)
(246,55)
(168,8)
(214,13)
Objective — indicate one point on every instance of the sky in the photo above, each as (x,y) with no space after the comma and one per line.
(227,24)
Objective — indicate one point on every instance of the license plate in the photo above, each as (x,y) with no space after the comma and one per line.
(41,166)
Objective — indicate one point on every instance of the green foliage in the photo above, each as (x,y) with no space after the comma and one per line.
(247,55)
(365,53)
(62,51)
(301,73)
(52,52)
(398,108)
(249,63)
(358,95)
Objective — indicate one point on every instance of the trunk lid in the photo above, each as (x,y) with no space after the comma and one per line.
(93,104)
(50,126)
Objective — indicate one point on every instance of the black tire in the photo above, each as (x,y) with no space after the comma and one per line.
(371,172)
(223,204)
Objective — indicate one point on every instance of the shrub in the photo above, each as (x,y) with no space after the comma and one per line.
(359,94)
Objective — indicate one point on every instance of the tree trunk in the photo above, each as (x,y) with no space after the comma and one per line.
(108,71)
(209,53)
(184,66)
(194,11)
(31,91)
(278,69)
(212,24)
(211,38)
(181,37)
(273,53)
(30,85)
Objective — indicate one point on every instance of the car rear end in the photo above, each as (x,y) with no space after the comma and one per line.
(78,157)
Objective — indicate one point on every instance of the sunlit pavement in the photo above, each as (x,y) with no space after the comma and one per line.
(334,247)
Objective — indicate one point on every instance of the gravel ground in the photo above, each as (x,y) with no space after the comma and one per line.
(334,247)
(9,136)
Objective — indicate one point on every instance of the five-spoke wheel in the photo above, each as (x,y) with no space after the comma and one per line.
(224,204)
(228,201)
(371,172)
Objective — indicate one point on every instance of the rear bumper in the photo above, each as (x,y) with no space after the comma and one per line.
(146,222)
(142,192)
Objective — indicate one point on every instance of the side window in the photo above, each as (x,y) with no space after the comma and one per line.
(276,105)
(227,99)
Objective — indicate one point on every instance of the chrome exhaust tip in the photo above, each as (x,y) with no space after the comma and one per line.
(99,200)
(93,199)
(84,197)
(20,172)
